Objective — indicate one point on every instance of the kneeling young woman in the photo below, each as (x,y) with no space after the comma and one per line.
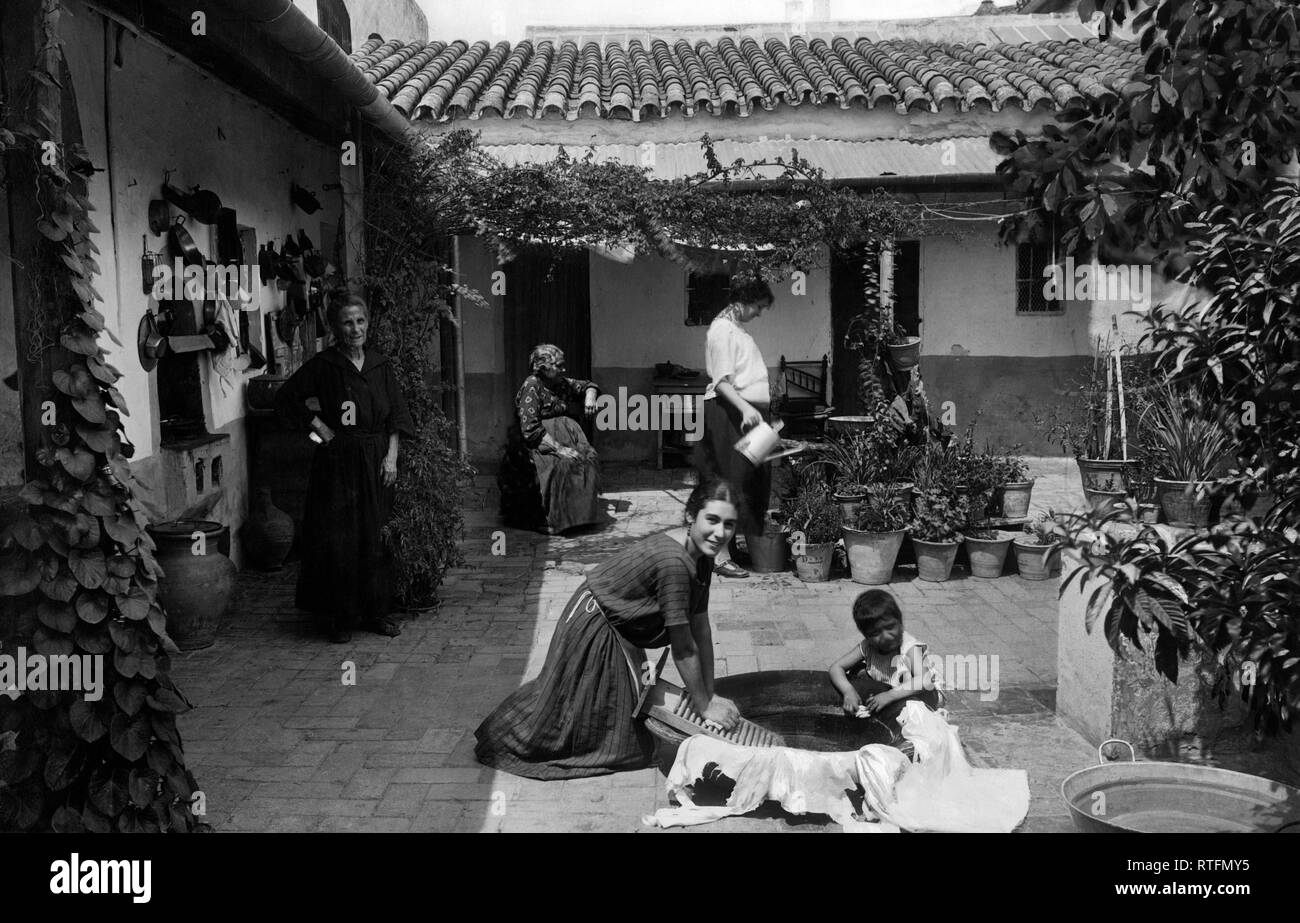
(576,719)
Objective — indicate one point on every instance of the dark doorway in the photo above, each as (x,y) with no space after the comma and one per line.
(548,300)
(846,302)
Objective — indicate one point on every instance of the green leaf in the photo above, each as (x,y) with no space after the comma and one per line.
(126,664)
(167,700)
(108,792)
(130,695)
(102,370)
(81,342)
(88,720)
(121,565)
(130,735)
(93,639)
(92,607)
(142,787)
(65,764)
(135,604)
(122,529)
(66,820)
(48,641)
(89,567)
(125,637)
(57,615)
(91,408)
(95,821)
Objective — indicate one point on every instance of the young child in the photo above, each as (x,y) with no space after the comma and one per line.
(891,661)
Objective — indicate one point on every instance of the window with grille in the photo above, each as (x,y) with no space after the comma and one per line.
(1031,260)
(707,293)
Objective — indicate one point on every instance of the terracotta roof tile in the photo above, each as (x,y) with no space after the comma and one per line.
(638,79)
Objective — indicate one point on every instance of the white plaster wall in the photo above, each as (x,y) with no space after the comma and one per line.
(155,113)
(968,304)
(638,313)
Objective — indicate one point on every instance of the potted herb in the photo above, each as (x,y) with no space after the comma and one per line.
(987,549)
(936,532)
(872,544)
(1191,446)
(1012,489)
(813,519)
(1037,546)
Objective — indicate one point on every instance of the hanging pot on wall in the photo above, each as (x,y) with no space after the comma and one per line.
(200,204)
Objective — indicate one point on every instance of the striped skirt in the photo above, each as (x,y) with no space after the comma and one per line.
(576,718)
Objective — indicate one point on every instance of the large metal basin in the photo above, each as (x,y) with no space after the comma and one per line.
(1156,797)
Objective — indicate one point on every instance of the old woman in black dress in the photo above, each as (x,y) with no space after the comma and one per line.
(577,718)
(550,476)
(362,416)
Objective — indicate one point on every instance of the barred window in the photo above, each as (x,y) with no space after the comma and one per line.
(707,293)
(1031,260)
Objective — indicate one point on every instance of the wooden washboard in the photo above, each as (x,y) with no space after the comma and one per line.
(668,703)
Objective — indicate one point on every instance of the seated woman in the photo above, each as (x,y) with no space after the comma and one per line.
(577,717)
(550,477)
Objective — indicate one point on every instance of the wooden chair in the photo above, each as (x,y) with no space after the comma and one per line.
(804,390)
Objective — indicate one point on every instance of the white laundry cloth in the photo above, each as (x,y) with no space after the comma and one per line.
(941,792)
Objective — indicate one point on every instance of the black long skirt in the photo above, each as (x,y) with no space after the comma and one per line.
(576,719)
(716,456)
(345,571)
(545,490)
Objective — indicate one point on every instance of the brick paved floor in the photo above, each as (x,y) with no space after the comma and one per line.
(279,742)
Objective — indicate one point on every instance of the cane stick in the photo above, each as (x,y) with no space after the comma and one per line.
(1119,392)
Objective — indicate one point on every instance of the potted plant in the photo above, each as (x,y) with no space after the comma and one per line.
(903,349)
(853,460)
(1191,446)
(987,549)
(872,544)
(1036,548)
(936,532)
(1095,428)
(813,520)
(1012,489)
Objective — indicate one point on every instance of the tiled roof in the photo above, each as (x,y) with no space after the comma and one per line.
(840,159)
(440,81)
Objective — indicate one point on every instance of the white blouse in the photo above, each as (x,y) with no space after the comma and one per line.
(731,355)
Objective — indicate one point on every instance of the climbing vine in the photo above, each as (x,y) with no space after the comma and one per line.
(78,578)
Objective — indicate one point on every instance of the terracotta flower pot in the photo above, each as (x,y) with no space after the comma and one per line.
(934,560)
(814,565)
(1105,473)
(872,555)
(907,353)
(1035,562)
(849,503)
(1015,498)
(1103,501)
(988,556)
(1184,503)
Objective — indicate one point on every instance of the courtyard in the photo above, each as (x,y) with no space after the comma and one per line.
(279,742)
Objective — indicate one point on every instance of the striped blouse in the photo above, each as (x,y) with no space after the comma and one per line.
(650,586)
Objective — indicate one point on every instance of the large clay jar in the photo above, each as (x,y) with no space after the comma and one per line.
(268,533)
(198,581)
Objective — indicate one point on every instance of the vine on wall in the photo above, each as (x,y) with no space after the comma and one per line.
(78,577)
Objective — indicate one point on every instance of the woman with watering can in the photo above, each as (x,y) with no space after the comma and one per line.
(735,401)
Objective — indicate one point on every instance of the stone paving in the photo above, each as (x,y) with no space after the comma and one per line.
(279,742)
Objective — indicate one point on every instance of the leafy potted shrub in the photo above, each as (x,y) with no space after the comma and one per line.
(936,532)
(1012,489)
(813,520)
(853,459)
(1037,547)
(987,549)
(1191,447)
(872,546)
